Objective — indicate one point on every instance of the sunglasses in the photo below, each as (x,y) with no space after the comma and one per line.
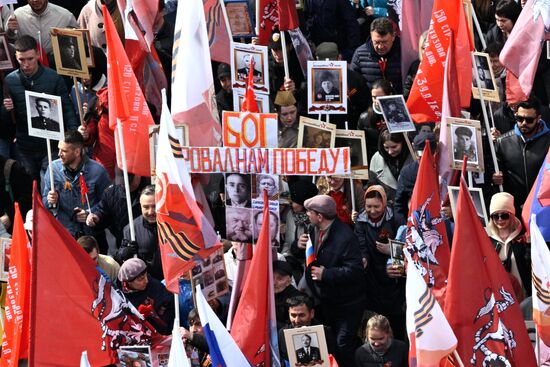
(528,120)
(500,216)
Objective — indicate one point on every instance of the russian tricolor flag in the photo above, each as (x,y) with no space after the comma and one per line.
(538,201)
(224,351)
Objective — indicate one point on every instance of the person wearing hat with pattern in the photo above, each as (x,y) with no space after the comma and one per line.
(335,278)
(505,231)
(147,294)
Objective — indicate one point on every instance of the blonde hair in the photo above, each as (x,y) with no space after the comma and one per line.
(379,322)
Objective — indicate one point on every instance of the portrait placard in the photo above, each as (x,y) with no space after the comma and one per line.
(7,62)
(5,255)
(465,140)
(486,78)
(315,133)
(327,87)
(355,140)
(261,99)
(88,47)
(477,197)
(211,274)
(396,114)
(307,346)
(133,356)
(182,133)
(396,252)
(238,14)
(69,52)
(241,55)
(44,115)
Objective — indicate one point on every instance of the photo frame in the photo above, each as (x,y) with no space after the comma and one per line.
(464,137)
(355,140)
(239,17)
(129,356)
(274,224)
(477,198)
(486,77)
(327,87)
(296,346)
(69,52)
(241,54)
(396,114)
(44,115)
(5,256)
(182,130)
(396,252)
(211,274)
(88,47)
(7,62)
(315,133)
(261,99)
(238,224)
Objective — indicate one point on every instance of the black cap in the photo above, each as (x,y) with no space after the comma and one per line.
(223,70)
(419,141)
(302,190)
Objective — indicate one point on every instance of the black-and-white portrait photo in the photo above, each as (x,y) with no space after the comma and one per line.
(257,222)
(69,53)
(238,224)
(44,115)
(396,114)
(243,60)
(315,133)
(477,198)
(484,73)
(306,349)
(237,190)
(270,183)
(327,86)
(464,143)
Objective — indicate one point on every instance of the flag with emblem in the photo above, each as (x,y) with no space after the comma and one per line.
(185,235)
(538,201)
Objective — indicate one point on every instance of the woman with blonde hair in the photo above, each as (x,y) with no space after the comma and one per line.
(380,348)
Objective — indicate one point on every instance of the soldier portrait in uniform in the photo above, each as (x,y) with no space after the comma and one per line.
(44,115)
(307,346)
(326,87)
(396,114)
(464,137)
(464,143)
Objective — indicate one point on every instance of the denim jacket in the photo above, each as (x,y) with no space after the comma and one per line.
(68,189)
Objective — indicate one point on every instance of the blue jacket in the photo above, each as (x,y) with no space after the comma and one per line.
(96,179)
(45,80)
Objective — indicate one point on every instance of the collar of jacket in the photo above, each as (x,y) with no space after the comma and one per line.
(543,131)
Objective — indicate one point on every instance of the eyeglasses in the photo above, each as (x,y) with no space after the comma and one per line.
(382,43)
(500,216)
(527,119)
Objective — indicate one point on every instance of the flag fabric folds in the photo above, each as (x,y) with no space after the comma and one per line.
(426,234)
(15,342)
(193,101)
(253,327)
(522,50)
(480,303)
(83,188)
(224,352)
(288,17)
(540,257)
(448,20)
(178,357)
(538,201)
(431,337)
(184,232)
(276,14)
(249,103)
(73,306)
(219,38)
(126,105)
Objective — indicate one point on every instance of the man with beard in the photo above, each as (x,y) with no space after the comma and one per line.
(380,348)
(66,200)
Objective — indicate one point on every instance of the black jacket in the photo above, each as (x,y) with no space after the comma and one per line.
(20,187)
(342,280)
(395,356)
(405,187)
(520,160)
(366,61)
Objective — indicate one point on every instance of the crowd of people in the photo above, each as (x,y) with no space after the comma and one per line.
(352,287)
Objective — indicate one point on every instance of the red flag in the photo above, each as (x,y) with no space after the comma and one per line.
(73,307)
(83,188)
(538,201)
(522,50)
(15,343)
(43,56)
(184,232)
(126,104)
(218,34)
(288,17)
(269,18)
(249,103)
(253,326)
(425,99)
(145,13)
(480,303)
(426,234)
